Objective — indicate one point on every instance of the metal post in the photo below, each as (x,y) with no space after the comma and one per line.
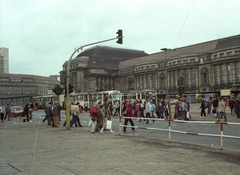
(165,52)
(221,136)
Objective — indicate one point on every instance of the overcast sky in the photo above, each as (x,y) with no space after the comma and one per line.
(42,34)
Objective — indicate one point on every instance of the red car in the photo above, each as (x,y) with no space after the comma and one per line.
(16,111)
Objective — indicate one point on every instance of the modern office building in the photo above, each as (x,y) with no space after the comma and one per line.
(4,60)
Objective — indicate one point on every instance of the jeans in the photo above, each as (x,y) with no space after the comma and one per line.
(161,114)
(209,109)
(75,120)
(148,116)
(223,113)
(6,115)
(184,114)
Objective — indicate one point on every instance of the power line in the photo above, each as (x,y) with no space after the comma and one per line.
(184,24)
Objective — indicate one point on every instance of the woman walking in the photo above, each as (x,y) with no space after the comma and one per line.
(129,114)
(202,107)
(94,115)
(105,117)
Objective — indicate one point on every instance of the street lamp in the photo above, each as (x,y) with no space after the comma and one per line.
(165,52)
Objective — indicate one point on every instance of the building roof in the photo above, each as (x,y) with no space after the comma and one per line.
(105,57)
(196,49)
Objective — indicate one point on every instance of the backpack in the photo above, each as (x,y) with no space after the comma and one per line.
(142,107)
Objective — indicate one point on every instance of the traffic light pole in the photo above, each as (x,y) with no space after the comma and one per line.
(68,68)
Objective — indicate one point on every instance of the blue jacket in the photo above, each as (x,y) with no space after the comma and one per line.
(237,105)
(153,107)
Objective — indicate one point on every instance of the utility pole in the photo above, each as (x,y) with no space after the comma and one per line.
(165,52)
(119,37)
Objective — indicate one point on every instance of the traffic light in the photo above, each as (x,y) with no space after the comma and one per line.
(57,89)
(70,88)
(119,41)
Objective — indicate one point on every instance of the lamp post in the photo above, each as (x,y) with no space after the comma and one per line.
(165,52)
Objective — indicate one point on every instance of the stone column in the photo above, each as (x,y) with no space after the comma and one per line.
(189,78)
(197,77)
(234,72)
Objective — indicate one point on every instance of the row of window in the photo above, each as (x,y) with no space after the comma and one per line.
(223,54)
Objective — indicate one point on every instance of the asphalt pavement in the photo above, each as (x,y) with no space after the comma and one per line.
(36,148)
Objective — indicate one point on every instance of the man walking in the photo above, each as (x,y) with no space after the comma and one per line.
(147,110)
(2,111)
(75,113)
(56,112)
(86,105)
(237,106)
(49,113)
(7,110)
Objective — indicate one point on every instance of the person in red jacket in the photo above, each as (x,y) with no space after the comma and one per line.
(94,115)
(129,114)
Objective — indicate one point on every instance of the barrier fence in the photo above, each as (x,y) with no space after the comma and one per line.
(169,130)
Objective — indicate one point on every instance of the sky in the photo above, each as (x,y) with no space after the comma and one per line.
(42,34)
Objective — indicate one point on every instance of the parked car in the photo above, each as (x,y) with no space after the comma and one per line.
(16,111)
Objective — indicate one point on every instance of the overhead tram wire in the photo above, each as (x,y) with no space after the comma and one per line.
(183,24)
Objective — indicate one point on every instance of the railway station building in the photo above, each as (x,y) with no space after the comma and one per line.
(206,67)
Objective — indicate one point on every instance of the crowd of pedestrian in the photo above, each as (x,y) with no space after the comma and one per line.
(219,105)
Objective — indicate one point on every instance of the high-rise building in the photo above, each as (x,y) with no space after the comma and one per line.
(4,60)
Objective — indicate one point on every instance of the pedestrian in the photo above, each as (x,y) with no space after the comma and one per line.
(25,113)
(129,114)
(101,116)
(116,108)
(209,105)
(106,115)
(123,105)
(237,106)
(167,110)
(215,105)
(141,109)
(184,110)
(59,110)
(134,108)
(56,112)
(2,111)
(157,108)
(75,112)
(147,110)
(161,109)
(86,105)
(98,118)
(221,109)
(231,105)
(49,113)
(94,116)
(153,108)
(137,110)
(202,107)
(30,113)
(8,111)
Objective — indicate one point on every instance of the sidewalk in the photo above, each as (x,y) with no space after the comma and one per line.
(34,148)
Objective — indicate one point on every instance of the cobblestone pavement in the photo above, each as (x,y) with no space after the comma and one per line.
(35,148)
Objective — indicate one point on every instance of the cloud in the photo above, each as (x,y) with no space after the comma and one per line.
(41,35)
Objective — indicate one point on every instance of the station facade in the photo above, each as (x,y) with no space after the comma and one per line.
(200,68)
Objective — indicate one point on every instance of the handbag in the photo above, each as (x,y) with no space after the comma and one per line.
(187,114)
(214,111)
(109,124)
(94,118)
